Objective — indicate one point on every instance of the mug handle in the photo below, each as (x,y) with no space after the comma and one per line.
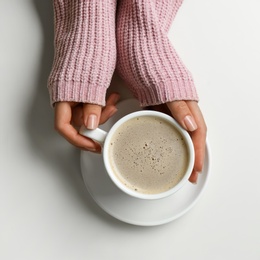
(97,134)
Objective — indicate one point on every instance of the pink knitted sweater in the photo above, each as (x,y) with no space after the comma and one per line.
(95,37)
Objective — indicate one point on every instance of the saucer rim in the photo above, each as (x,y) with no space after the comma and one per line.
(164,220)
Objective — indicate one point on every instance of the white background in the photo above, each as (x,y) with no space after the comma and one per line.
(46,212)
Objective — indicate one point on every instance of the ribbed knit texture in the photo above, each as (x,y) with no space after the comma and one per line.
(85,51)
(146,59)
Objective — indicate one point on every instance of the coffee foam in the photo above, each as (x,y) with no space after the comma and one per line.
(148,155)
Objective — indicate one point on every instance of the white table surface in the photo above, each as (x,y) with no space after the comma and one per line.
(46,211)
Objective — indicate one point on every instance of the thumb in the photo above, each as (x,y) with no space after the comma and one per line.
(91,115)
(181,112)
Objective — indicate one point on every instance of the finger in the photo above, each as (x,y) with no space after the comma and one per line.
(197,114)
(199,142)
(198,136)
(63,113)
(91,115)
(112,99)
(181,112)
(194,177)
(110,109)
(73,137)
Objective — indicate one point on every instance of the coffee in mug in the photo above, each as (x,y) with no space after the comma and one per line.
(148,154)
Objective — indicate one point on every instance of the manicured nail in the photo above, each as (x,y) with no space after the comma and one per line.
(194,179)
(92,122)
(92,150)
(190,123)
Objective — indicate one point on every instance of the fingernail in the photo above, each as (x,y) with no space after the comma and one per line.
(190,123)
(194,181)
(92,122)
(194,178)
(92,150)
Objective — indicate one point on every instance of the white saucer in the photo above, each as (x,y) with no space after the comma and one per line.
(126,208)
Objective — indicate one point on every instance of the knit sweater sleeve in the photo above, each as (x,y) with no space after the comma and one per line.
(146,59)
(85,50)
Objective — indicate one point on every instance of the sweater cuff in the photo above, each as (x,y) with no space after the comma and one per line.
(76,92)
(165,91)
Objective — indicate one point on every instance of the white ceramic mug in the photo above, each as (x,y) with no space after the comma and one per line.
(104,138)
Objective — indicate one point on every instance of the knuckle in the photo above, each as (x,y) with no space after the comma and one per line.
(92,108)
(179,109)
(181,106)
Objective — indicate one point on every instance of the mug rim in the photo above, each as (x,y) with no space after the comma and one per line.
(137,194)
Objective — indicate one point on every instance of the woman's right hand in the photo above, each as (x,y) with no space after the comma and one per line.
(189,116)
(69,116)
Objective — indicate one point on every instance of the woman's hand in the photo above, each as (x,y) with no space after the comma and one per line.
(71,115)
(189,116)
